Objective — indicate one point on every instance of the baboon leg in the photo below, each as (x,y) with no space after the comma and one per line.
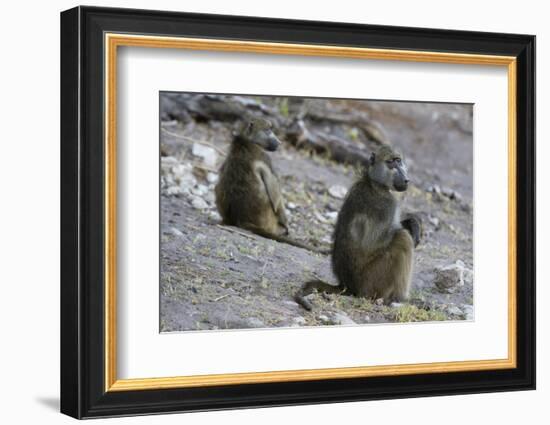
(389,275)
(401,251)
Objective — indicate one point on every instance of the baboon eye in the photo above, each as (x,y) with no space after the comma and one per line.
(398,160)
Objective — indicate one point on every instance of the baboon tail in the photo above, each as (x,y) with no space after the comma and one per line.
(283,239)
(286,239)
(320,286)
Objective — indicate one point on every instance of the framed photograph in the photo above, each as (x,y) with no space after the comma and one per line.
(261,212)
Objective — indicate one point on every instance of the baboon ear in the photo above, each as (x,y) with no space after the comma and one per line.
(372,159)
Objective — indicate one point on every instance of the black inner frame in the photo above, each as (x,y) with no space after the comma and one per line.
(82,212)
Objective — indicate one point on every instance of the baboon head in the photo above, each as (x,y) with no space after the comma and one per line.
(387,168)
(260,132)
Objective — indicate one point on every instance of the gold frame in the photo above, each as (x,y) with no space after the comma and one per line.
(113,41)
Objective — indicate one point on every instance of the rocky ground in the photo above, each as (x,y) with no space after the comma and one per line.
(219,277)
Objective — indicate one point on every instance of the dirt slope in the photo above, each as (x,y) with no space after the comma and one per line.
(214,277)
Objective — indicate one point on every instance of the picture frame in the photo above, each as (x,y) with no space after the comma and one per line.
(90,40)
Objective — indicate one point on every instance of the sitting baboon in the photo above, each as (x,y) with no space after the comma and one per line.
(248,193)
(372,253)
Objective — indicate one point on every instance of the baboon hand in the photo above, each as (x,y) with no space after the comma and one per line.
(413,224)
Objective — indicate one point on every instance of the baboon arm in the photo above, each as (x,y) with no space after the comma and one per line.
(271,186)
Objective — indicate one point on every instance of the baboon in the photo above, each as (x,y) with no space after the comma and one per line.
(248,193)
(372,253)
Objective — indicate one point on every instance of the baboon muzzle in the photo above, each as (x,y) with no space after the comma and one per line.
(273,144)
(401,180)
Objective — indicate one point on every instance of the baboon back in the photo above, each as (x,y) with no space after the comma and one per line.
(240,197)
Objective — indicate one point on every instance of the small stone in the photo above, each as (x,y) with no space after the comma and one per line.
(353,133)
(210,197)
(379,301)
(331,206)
(307,302)
(468,276)
(449,278)
(182,174)
(199,203)
(434,189)
(332,216)
(465,207)
(438,197)
(291,206)
(298,321)
(468,311)
(339,318)
(166,170)
(451,194)
(173,190)
(254,322)
(214,216)
(166,162)
(170,123)
(323,318)
(434,221)
(209,155)
(454,310)
(447,191)
(320,217)
(396,305)
(176,232)
(199,190)
(212,178)
(337,191)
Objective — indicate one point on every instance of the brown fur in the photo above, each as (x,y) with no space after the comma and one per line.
(372,253)
(248,193)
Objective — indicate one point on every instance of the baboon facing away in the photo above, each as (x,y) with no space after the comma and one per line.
(248,193)
(372,253)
